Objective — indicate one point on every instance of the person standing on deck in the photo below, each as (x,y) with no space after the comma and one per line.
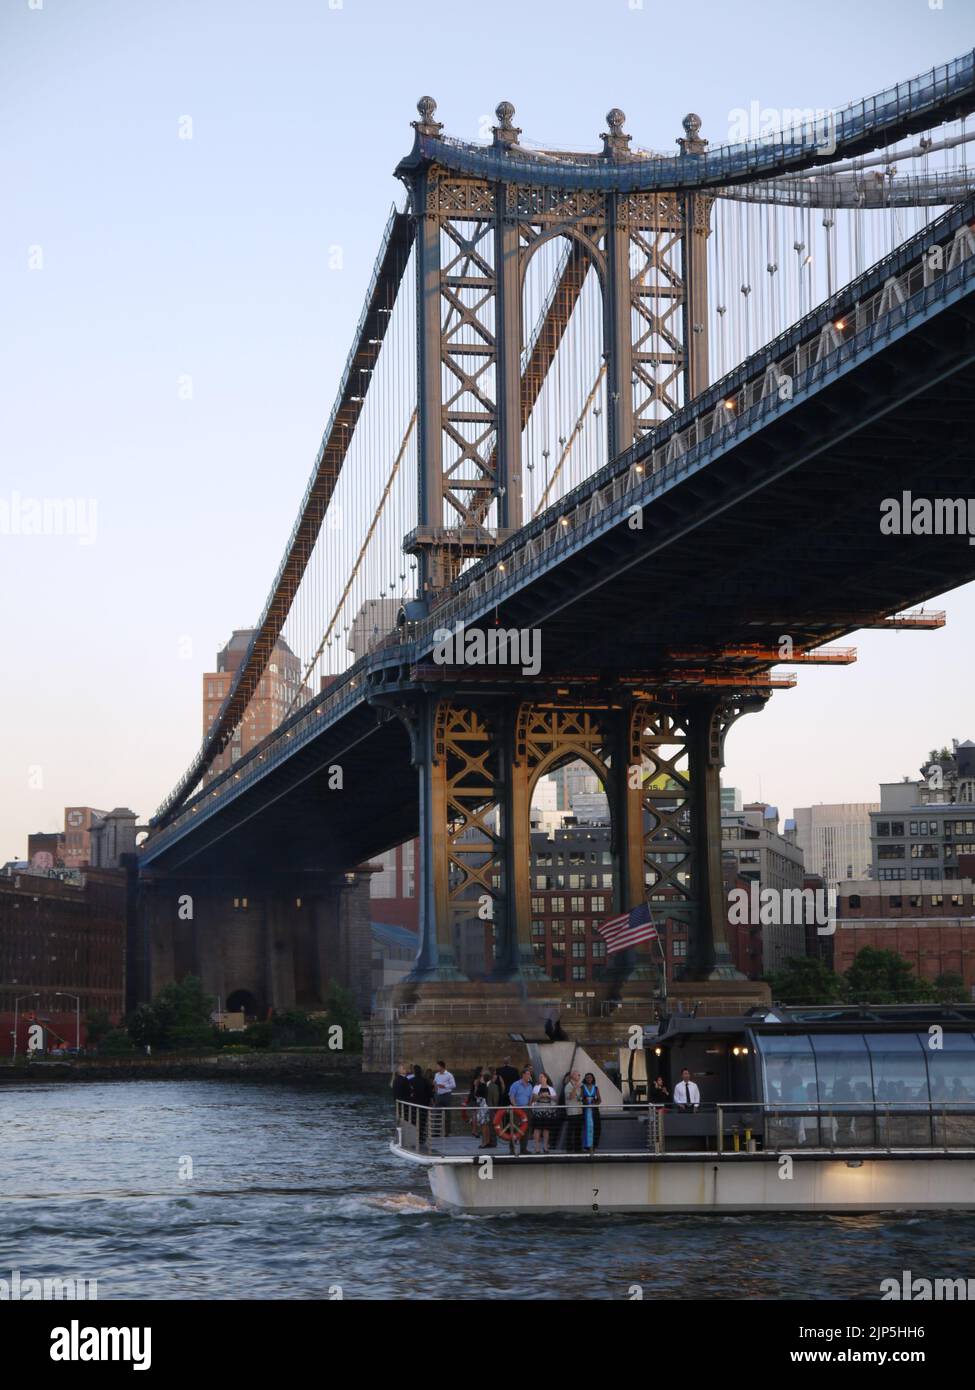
(520,1095)
(591,1101)
(444,1085)
(508,1075)
(572,1099)
(659,1093)
(400,1084)
(686,1093)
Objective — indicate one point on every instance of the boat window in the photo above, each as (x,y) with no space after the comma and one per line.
(843,1064)
(899,1069)
(788,1068)
(952,1068)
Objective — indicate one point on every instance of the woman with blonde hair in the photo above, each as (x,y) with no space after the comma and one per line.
(544,1112)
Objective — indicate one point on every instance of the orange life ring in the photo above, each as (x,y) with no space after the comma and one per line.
(511,1123)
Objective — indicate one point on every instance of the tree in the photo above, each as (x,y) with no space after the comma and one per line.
(949,988)
(884,977)
(806,980)
(115,1043)
(178,1017)
(97,1025)
(296,1028)
(342,1010)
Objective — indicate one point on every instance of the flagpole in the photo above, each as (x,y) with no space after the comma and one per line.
(660,944)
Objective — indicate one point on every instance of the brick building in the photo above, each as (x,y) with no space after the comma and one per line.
(58,940)
(931,923)
(78,824)
(393,887)
(279,689)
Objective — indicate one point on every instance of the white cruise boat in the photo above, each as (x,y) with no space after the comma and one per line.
(801,1109)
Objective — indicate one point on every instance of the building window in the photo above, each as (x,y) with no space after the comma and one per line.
(883,827)
(957,899)
(854,900)
(890,851)
(558,904)
(599,950)
(897,827)
(937,900)
(577,905)
(597,904)
(578,972)
(924,851)
(578,926)
(578,950)
(895,902)
(538,928)
(558,927)
(538,904)
(240,904)
(679,949)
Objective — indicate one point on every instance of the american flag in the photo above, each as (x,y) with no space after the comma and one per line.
(628,929)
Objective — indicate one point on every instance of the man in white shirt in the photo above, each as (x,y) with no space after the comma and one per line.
(686,1094)
(443,1085)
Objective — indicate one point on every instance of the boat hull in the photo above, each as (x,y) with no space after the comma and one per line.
(828,1182)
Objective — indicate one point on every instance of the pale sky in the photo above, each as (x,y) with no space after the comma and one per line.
(133,260)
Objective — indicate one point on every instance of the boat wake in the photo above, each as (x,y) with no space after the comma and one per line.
(405,1203)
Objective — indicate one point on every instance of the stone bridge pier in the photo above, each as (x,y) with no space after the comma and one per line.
(257,941)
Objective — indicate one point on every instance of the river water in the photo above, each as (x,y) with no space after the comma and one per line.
(233,1189)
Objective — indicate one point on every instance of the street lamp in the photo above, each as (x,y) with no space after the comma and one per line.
(65,994)
(35,995)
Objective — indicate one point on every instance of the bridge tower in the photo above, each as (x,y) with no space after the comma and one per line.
(475,236)
(479,750)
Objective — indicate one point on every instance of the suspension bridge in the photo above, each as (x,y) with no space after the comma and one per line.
(645,406)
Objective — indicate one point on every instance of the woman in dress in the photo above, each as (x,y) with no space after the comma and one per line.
(591,1101)
(544,1113)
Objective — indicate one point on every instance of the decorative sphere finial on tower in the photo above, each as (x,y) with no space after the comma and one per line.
(426,125)
(505,132)
(616,145)
(692,142)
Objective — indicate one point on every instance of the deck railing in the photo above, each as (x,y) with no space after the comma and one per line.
(725,1127)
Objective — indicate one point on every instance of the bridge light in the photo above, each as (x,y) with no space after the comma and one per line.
(729,405)
(840,324)
(563,521)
